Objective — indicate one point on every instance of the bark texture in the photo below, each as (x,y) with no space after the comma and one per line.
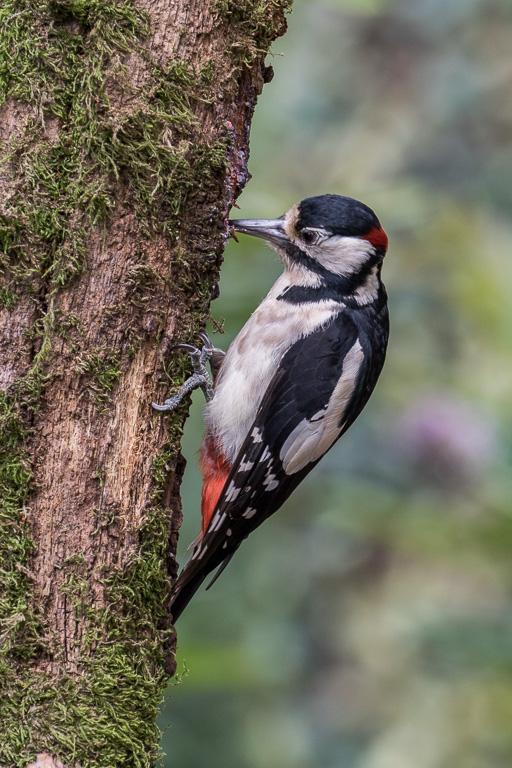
(124,140)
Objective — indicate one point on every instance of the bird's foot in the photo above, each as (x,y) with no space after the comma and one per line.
(200,377)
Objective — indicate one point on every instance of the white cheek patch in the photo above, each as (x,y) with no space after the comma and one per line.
(311,439)
(341,255)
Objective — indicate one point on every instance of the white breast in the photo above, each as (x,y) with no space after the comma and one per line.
(252,360)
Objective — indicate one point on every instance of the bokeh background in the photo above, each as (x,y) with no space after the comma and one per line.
(369,623)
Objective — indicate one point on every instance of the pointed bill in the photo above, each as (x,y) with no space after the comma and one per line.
(271,230)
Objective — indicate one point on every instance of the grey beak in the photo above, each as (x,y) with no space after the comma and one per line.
(268,229)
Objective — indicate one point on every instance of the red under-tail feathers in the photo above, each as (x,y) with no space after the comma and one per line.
(215,469)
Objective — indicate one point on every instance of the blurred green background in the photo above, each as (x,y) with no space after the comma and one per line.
(369,623)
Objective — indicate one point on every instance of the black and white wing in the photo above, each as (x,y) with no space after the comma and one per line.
(323,382)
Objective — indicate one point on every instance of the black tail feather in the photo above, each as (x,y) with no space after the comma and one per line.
(189,581)
(221,568)
(183,592)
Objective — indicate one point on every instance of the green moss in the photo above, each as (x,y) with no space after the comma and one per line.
(68,56)
(7,298)
(104,720)
(65,167)
(19,628)
(102,372)
(27,390)
(258,23)
(106,717)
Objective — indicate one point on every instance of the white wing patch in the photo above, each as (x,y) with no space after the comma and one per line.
(265,455)
(270,483)
(232,492)
(217,520)
(256,435)
(312,438)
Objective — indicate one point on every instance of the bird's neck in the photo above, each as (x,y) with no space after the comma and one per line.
(300,285)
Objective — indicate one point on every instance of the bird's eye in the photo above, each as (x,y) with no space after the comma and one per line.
(309,236)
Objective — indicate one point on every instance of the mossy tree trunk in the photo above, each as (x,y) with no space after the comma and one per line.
(123,138)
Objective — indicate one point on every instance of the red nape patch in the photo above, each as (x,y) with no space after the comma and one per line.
(378,238)
(215,469)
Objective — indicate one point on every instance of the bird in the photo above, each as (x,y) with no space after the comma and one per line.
(294,379)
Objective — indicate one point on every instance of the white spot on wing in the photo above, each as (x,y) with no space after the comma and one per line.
(311,439)
(232,492)
(266,454)
(249,512)
(270,483)
(245,466)
(217,520)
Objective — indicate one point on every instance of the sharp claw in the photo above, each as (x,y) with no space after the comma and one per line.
(200,377)
(206,339)
(188,348)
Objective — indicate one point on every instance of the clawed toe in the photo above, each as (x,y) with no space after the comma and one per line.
(207,344)
(200,378)
(192,351)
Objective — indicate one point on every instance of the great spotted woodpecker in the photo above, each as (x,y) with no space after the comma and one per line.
(295,378)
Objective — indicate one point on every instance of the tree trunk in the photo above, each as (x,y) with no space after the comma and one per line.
(124,141)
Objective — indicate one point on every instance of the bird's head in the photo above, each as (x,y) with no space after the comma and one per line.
(336,238)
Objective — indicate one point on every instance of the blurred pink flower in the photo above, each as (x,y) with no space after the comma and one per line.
(448,441)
